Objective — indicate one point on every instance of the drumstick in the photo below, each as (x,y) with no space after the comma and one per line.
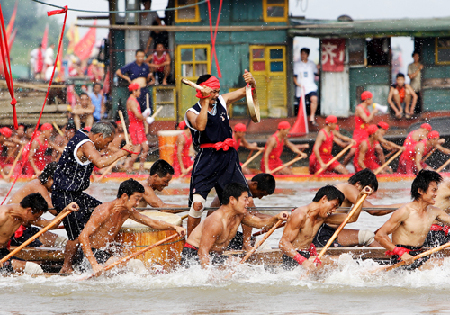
(57,129)
(127,258)
(190,83)
(443,166)
(145,122)
(334,159)
(298,158)
(157,111)
(378,170)
(124,127)
(253,157)
(428,155)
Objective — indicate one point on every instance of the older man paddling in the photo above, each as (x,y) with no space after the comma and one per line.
(106,221)
(410,224)
(72,177)
(211,237)
(217,162)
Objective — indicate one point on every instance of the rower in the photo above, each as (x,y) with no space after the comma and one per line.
(362,119)
(106,221)
(181,153)
(351,190)
(136,128)
(212,236)
(323,146)
(439,233)
(161,174)
(410,224)
(274,148)
(296,242)
(5,141)
(411,159)
(239,141)
(383,143)
(260,185)
(12,216)
(72,177)
(365,153)
(217,162)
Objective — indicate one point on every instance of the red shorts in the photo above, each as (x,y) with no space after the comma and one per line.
(370,164)
(273,163)
(137,134)
(314,164)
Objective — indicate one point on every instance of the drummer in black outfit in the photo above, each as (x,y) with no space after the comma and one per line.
(216,163)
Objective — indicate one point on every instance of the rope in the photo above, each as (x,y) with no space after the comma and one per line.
(118,12)
(26,150)
(213,37)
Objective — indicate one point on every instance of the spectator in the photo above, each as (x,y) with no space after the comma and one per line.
(159,64)
(415,75)
(304,73)
(157,37)
(399,94)
(83,112)
(99,102)
(138,72)
(49,58)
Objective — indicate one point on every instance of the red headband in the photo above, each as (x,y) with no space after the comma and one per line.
(133,87)
(46,126)
(240,127)
(212,82)
(284,125)
(331,119)
(433,135)
(426,126)
(383,125)
(366,95)
(6,132)
(372,129)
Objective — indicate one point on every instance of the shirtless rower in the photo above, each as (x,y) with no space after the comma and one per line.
(12,216)
(352,190)
(161,174)
(439,233)
(274,148)
(217,162)
(72,177)
(260,185)
(139,73)
(213,235)
(106,221)
(323,146)
(410,224)
(411,159)
(239,141)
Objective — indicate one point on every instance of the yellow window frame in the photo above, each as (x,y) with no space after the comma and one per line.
(179,63)
(437,50)
(180,20)
(275,19)
(267,60)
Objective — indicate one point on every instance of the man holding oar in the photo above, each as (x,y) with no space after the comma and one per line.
(365,156)
(12,216)
(161,174)
(274,148)
(72,177)
(323,146)
(217,162)
(410,224)
(211,237)
(239,141)
(106,221)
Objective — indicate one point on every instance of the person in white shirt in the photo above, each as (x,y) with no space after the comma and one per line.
(304,74)
(49,56)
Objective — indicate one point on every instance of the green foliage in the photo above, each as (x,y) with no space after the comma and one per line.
(31,19)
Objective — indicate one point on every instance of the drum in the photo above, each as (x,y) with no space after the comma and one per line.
(166,144)
(135,236)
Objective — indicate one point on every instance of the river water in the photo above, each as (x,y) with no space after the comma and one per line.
(347,288)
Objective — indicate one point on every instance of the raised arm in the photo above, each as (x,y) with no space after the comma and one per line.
(240,93)
(267,222)
(88,151)
(199,121)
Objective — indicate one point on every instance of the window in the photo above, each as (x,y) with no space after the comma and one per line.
(378,52)
(355,48)
(442,50)
(189,14)
(275,10)
(193,60)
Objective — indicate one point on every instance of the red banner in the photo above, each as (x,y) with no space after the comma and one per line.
(333,55)
(84,47)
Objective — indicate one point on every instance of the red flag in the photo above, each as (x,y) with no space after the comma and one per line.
(44,42)
(10,26)
(11,40)
(84,47)
(333,55)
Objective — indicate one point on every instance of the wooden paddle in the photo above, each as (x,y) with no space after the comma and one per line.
(426,253)
(7,177)
(57,129)
(443,166)
(98,179)
(338,156)
(190,83)
(298,158)
(127,258)
(55,221)
(124,127)
(378,170)
(428,155)
(258,244)
(366,191)
(253,157)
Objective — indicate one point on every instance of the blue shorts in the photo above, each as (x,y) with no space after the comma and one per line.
(142,100)
(215,169)
(27,233)
(74,223)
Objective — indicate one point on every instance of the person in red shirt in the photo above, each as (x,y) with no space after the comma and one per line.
(274,148)
(402,93)
(136,127)
(411,159)
(365,153)
(362,119)
(323,146)
(239,141)
(183,144)
(159,63)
